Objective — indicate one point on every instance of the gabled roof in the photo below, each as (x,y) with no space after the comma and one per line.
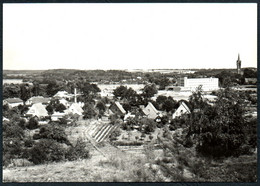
(63,94)
(76,107)
(150,106)
(39,99)
(13,100)
(37,109)
(120,107)
(185,106)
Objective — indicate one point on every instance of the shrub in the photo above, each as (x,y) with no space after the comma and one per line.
(113,136)
(12,148)
(78,151)
(33,123)
(47,150)
(12,130)
(54,132)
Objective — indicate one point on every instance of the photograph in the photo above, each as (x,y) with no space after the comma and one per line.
(129,92)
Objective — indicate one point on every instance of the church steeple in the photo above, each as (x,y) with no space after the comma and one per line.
(238,65)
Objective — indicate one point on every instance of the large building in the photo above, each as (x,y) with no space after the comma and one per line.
(190,84)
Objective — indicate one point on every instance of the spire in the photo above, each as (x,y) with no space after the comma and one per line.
(238,57)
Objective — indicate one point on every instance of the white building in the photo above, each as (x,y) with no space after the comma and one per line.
(75,108)
(37,109)
(182,109)
(190,84)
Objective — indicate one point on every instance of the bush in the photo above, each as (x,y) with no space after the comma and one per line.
(47,150)
(12,130)
(12,148)
(113,136)
(33,123)
(53,132)
(78,151)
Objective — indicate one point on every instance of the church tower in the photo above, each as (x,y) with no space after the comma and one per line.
(238,65)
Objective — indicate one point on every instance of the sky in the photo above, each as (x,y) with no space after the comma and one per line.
(129,36)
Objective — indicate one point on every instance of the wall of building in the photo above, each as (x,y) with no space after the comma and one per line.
(207,83)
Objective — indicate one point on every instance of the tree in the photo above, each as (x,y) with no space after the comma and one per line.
(220,129)
(25,92)
(33,123)
(11,91)
(89,111)
(60,107)
(169,105)
(120,91)
(52,88)
(196,100)
(127,107)
(161,99)
(249,73)
(149,91)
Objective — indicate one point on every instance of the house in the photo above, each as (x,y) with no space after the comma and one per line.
(62,94)
(128,115)
(151,112)
(57,115)
(37,99)
(182,109)
(251,80)
(75,108)
(117,108)
(37,109)
(13,102)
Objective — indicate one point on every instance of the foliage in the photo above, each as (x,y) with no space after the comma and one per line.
(52,88)
(11,129)
(127,107)
(78,151)
(56,106)
(149,91)
(12,148)
(89,111)
(25,92)
(113,136)
(33,123)
(249,73)
(227,78)
(101,107)
(196,100)
(11,91)
(53,132)
(220,129)
(148,125)
(46,150)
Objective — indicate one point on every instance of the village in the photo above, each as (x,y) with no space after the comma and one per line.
(105,120)
(155,119)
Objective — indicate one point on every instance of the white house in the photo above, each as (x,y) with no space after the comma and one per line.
(13,102)
(75,109)
(151,112)
(57,115)
(182,109)
(37,99)
(63,94)
(37,109)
